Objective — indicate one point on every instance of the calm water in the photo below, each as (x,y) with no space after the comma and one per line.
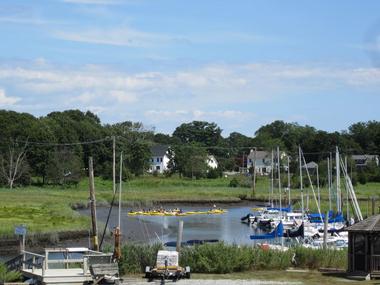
(225,227)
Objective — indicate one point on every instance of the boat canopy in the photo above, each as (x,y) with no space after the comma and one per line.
(277,232)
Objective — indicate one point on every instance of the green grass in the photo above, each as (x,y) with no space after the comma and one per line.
(48,209)
(308,277)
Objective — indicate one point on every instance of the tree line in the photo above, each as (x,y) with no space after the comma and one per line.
(54,149)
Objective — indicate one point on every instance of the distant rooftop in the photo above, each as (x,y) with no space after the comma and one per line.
(159,150)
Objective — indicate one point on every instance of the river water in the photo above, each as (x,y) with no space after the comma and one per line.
(224,227)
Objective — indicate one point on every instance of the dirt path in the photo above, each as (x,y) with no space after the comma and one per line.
(140,281)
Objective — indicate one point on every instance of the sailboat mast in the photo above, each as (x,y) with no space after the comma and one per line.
(289,180)
(279,179)
(329,181)
(272,179)
(338,194)
(301,182)
(318,188)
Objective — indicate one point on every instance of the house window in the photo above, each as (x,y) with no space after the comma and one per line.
(158,159)
(157,167)
(152,160)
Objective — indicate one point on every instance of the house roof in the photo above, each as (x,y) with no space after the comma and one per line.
(159,150)
(364,156)
(371,224)
(260,155)
(310,165)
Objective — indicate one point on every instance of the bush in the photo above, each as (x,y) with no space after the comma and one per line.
(135,257)
(362,178)
(8,276)
(234,182)
(214,173)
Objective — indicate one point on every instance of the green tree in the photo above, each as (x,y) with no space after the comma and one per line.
(203,133)
(190,160)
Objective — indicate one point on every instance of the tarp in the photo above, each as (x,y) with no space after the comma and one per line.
(277,232)
(317,219)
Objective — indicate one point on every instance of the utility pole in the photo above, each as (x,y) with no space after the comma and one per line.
(117,232)
(95,244)
(114,164)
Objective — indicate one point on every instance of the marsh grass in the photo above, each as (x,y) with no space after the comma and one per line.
(222,258)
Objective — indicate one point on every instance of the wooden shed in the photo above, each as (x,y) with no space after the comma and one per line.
(364,248)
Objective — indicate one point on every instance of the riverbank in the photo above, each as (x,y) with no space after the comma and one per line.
(52,209)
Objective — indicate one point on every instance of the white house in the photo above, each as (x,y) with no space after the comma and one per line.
(263,161)
(159,159)
(364,159)
(212,162)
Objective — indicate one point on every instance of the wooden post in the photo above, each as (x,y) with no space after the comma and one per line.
(179,237)
(368,207)
(117,247)
(95,245)
(326,222)
(373,206)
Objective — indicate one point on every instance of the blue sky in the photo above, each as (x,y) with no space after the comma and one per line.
(240,64)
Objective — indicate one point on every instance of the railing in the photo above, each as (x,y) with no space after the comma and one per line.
(33,261)
(375,263)
(15,263)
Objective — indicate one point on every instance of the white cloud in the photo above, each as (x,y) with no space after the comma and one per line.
(221,93)
(7,101)
(123,36)
(123,97)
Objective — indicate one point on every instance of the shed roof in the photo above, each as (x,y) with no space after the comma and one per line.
(371,224)
(310,165)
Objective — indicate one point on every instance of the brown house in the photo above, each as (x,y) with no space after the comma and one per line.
(364,248)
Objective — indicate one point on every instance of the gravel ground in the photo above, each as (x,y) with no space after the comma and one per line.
(140,281)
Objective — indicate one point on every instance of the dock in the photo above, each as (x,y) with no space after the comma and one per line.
(66,266)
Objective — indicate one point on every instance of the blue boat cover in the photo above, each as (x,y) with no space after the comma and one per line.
(315,218)
(277,232)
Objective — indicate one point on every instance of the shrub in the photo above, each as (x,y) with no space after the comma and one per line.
(234,182)
(8,276)
(135,257)
(362,178)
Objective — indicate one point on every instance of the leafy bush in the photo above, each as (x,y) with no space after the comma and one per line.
(234,182)
(214,173)
(8,276)
(362,178)
(135,257)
